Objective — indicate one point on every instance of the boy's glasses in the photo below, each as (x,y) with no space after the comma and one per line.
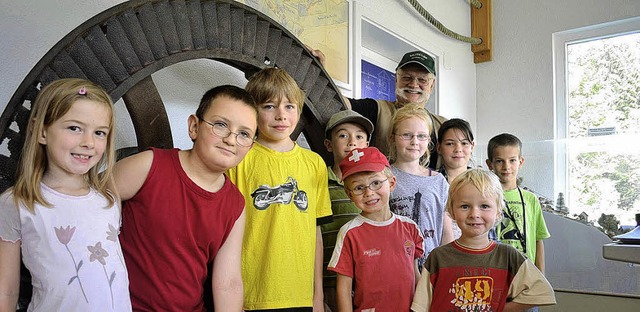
(373,186)
(409,136)
(221,130)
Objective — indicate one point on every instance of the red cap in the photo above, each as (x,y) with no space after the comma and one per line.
(363,159)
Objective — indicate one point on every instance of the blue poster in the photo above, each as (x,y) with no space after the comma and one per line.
(377,83)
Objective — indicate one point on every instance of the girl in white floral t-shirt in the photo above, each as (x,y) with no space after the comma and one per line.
(61,214)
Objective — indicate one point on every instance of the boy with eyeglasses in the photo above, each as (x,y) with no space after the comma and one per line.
(181,215)
(287,199)
(376,253)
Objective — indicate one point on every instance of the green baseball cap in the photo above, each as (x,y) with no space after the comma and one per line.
(348,116)
(420,58)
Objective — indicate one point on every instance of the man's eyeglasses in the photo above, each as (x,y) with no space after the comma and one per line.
(409,136)
(221,130)
(374,186)
(421,80)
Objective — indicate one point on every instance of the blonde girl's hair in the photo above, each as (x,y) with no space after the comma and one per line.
(406,112)
(53,102)
(274,84)
(484,181)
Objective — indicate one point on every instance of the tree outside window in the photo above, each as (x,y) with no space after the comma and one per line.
(603,94)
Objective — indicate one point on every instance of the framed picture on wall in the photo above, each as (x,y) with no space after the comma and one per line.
(322,25)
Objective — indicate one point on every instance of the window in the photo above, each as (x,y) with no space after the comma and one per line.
(597,76)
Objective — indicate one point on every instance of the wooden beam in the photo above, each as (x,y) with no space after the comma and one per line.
(481,26)
(150,120)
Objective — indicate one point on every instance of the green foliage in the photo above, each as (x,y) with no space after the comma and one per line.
(583,167)
(604,91)
(627,182)
(606,79)
(609,224)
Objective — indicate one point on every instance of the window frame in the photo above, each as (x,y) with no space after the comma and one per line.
(560,41)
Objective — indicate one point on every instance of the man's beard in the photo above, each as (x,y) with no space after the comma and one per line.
(402,100)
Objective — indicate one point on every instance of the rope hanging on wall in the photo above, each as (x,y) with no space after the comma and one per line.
(476,3)
(441,27)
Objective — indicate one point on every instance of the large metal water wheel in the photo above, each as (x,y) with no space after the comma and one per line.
(121,47)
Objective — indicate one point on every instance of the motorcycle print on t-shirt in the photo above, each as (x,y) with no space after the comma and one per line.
(266,195)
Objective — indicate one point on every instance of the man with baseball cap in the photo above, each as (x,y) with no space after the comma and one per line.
(415,81)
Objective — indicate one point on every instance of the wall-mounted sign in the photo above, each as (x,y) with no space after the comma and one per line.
(377,83)
(601,131)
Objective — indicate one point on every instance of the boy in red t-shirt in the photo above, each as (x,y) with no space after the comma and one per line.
(375,239)
(181,214)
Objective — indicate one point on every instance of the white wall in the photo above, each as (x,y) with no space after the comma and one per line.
(181,93)
(515,90)
(30,28)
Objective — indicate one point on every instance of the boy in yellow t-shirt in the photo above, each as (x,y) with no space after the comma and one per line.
(287,199)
